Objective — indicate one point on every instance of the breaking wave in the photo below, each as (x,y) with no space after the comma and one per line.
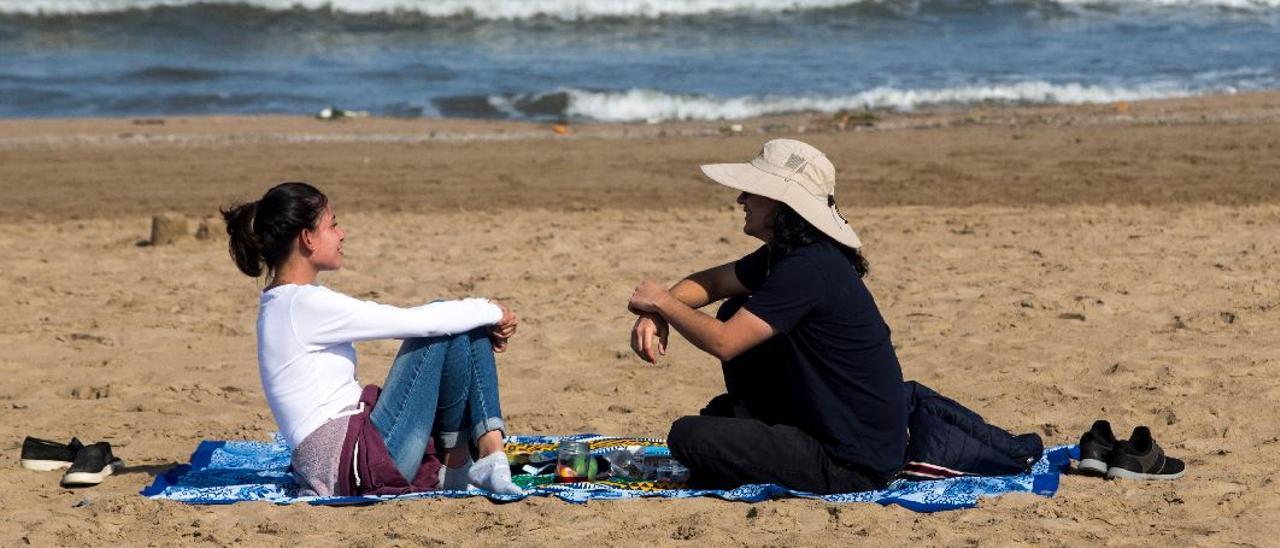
(649,105)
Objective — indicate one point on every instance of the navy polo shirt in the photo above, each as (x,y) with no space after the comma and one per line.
(831,370)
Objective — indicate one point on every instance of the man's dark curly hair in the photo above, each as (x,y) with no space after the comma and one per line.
(791,232)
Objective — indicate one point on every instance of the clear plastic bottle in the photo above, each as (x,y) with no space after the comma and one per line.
(628,462)
(670,470)
(632,463)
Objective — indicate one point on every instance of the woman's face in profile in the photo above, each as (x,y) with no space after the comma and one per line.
(759,214)
(326,241)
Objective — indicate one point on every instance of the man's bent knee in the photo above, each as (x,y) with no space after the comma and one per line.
(685,432)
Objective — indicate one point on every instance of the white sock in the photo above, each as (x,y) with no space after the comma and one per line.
(492,473)
(456,479)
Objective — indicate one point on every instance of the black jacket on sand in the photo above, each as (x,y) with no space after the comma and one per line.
(949,440)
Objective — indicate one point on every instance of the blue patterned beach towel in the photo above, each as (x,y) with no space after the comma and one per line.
(225,472)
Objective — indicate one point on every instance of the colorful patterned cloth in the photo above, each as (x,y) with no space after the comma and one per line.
(224,472)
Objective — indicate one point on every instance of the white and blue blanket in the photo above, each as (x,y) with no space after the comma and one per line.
(225,472)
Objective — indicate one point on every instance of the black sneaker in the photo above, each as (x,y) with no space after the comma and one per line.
(44,455)
(93,464)
(1096,447)
(1141,459)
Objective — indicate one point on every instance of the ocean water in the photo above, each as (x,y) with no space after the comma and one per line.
(619,60)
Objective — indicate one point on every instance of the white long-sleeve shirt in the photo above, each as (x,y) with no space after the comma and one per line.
(305,352)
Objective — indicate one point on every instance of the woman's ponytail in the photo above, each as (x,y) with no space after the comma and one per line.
(246,249)
(263,232)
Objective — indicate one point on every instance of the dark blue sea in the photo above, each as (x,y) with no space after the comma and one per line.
(619,60)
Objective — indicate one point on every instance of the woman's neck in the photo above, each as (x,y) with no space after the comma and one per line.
(293,273)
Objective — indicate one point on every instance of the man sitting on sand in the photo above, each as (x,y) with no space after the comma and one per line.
(814,396)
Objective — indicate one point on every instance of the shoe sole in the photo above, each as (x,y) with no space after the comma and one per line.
(1092,467)
(44,465)
(1121,473)
(71,479)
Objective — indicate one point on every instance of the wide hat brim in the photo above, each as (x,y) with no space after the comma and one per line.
(751,179)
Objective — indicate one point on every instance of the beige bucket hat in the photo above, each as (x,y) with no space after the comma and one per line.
(796,174)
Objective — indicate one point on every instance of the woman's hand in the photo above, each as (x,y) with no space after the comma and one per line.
(646,297)
(648,327)
(504,329)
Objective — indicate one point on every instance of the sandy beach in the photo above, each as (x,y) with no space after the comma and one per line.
(1046,266)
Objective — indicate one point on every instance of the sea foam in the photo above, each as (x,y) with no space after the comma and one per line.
(649,105)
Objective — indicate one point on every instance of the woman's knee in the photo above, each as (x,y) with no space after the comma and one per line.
(479,343)
(417,343)
(479,334)
(412,344)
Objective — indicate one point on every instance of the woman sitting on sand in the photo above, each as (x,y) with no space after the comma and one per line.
(443,383)
(814,396)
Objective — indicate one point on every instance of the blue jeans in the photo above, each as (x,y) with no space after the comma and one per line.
(438,386)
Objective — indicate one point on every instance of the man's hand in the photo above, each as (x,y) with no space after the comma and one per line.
(646,297)
(504,329)
(648,327)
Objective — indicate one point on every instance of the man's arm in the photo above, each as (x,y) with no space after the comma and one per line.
(708,286)
(724,340)
(649,334)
